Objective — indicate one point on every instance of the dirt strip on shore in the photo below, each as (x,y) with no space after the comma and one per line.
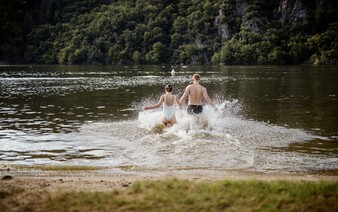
(101,181)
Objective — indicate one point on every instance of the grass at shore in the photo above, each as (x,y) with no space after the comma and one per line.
(185,195)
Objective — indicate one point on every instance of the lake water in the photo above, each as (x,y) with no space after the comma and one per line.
(267,118)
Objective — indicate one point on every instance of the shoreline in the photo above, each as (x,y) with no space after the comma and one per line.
(104,181)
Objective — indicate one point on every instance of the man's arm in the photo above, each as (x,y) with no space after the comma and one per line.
(185,94)
(207,98)
(179,103)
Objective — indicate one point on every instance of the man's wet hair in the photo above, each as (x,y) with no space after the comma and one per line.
(196,77)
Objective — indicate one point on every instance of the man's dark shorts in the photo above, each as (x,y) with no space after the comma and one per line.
(196,109)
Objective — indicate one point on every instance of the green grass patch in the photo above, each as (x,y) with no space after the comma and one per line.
(184,195)
(60,168)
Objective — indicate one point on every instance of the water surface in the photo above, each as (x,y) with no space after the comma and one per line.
(267,118)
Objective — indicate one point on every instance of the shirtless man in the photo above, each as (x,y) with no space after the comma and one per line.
(195,92)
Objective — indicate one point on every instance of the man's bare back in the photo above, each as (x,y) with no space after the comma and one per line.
(196,93)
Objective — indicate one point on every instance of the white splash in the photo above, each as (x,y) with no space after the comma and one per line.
(218,139)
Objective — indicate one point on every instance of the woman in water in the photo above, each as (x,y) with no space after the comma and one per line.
(168,100)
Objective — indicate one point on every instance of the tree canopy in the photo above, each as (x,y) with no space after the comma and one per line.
(227,32)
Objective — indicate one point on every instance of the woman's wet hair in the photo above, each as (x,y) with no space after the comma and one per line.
(168,88)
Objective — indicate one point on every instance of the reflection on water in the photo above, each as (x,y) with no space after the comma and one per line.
(267,118)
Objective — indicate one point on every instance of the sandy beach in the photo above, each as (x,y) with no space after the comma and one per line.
(102,181)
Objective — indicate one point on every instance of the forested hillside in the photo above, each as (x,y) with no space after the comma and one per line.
(226,32)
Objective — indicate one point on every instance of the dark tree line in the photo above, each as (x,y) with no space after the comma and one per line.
(155,32)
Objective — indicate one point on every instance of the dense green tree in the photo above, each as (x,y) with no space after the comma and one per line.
(181,31)
(324,46)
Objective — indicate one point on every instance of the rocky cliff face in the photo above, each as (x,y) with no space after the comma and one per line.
(51,11)
(240,10)
(286,12)
(222,27)
(40,12)
(291,11)
(321,12)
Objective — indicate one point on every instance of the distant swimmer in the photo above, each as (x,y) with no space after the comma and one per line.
(173,72)
(196,93)
(168,101)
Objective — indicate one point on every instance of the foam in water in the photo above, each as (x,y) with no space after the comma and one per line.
(221,140)
(223,121)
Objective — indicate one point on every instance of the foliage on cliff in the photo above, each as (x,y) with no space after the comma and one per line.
(154,32)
